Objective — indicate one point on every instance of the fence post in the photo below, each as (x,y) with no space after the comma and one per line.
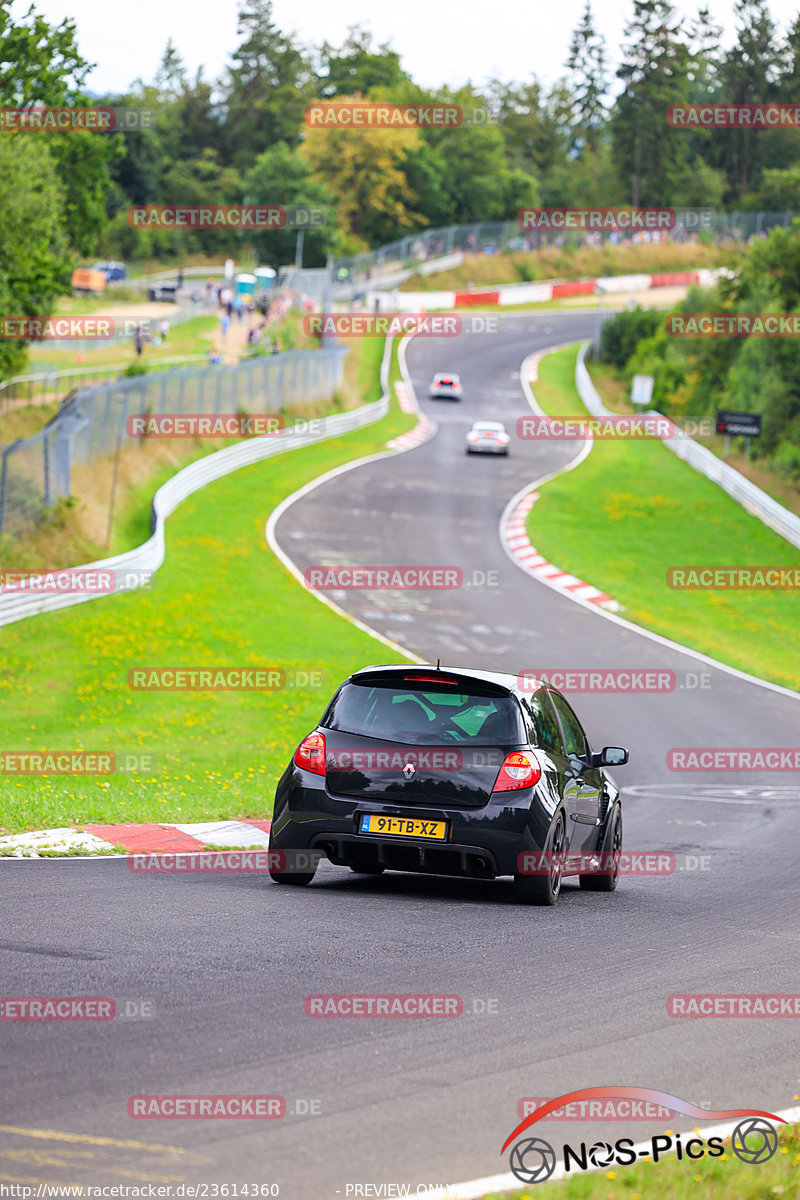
(4,480)
(46,469)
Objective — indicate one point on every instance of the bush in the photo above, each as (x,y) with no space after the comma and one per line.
(622,333)
(786,461)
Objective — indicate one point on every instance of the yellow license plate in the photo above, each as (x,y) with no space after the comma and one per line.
(403,827)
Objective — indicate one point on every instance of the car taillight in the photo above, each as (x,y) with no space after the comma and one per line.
(430,679)
(519,770)
(310,754)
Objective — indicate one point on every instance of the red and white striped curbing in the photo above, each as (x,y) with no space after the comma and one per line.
(537,293)
(421,431)
(88,840)
(514,534)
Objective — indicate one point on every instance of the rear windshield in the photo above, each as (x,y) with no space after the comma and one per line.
(435,718)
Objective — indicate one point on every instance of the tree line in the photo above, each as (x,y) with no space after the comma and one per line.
(699,376)
(596,135)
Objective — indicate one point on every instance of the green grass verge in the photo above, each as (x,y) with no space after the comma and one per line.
(613,386)
(632,510)
(221,599)
(723,1178)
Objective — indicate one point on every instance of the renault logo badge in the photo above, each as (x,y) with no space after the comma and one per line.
(409,769)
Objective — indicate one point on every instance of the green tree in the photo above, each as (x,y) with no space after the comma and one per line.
(588,68)
(40,64)
(357,67)
(283,176)
(365,169)
(268,88)
(750,72)
(33,265)
(651,157)
(535,139)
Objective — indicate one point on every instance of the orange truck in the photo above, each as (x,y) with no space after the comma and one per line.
(86,280)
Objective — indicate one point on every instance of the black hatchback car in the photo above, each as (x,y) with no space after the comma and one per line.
(453,772)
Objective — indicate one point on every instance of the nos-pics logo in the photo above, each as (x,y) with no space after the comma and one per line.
(533,1160)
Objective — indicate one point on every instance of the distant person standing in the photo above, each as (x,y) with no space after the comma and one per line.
(163,329)
(180,278)
(224,322)
(138,341)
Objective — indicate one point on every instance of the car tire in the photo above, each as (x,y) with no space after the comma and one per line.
(612,844)
(290,878)
(543,890)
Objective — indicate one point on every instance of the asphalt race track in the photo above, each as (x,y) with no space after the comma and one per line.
(554,999)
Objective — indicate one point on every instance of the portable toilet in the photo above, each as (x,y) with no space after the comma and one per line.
(265,279)
(245,284)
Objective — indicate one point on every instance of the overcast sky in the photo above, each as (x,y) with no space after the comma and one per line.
(438,42)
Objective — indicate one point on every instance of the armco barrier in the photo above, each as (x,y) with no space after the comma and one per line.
(535,293)
(465,299)
(580,287)
(751,498)
(148,557)
(674,279)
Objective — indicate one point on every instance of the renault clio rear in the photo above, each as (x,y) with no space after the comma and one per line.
(448,771)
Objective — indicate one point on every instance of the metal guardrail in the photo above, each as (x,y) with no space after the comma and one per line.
(751,498)
(134,568)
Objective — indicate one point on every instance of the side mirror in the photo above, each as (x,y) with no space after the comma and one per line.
(612,756)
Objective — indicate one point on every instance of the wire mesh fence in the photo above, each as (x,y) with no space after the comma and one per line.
(38,471)
(487,237)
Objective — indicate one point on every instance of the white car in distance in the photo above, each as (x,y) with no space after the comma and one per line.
(488,437)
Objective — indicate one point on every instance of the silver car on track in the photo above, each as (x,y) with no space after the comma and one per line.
(488,437)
